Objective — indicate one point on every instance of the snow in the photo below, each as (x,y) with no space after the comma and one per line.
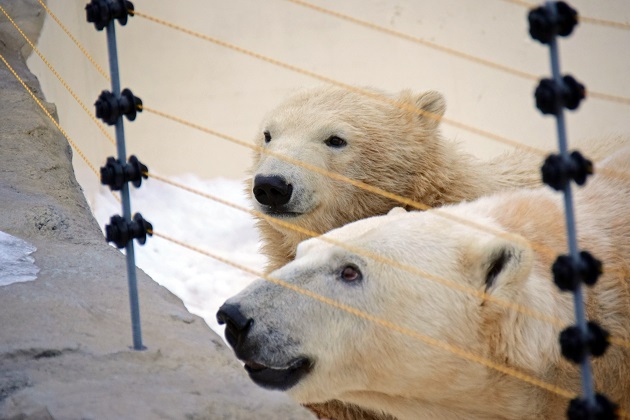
(201,282)
(16,264)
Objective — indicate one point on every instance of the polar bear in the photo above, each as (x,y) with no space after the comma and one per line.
(363,314)
(391,142)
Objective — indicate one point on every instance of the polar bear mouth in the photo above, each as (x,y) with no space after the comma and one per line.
(279,379)
(279,212)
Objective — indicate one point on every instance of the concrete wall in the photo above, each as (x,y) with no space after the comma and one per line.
(230,92)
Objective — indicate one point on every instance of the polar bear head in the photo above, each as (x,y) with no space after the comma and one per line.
(376,139)
(380,315)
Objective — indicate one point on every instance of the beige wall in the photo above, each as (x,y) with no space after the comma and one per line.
(230,92)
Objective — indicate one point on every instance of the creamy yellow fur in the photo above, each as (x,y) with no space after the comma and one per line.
(359,362)
(389,148)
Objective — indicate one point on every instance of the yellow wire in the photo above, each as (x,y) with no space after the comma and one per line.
(333,175)
(360,251)
(363,92)
(454,52)
(325,300)
(428,340)
(336,176)
(387,324)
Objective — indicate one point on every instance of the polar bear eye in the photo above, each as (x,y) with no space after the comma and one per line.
(334,141)
(350,274)
(267,136)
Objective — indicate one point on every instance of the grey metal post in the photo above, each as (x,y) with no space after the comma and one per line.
(580,317)
(126,203)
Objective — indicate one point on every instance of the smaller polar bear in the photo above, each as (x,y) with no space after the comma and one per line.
(388,141)
(301,333)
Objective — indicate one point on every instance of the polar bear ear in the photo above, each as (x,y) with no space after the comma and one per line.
(505,265)
(396,210)
(434,105)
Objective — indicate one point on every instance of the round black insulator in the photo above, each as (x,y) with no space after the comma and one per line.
(140,228)
(580,409)
(564,273)
(548,97)
(557,170)
(551,96)
(129,104)
(107,108)
(572,93)
(573,344)
(580,167)
(101,12)
(567,18)
(597,339)
(136,171)
(590,268)
(569,272)
(113,174)
(554,173)
(541,24)
(121,232)
(547,21)
(116,174)
(117,231)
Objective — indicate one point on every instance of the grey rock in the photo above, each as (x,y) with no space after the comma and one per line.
(65,337)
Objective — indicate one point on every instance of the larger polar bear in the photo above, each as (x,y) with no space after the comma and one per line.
(391,142)
(341,322)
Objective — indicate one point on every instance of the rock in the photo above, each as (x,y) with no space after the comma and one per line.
(65,337)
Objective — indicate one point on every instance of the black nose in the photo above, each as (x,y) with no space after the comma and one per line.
(236,325)
(272,190)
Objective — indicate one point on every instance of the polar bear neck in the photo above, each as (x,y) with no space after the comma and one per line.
(452,176)
(496,402)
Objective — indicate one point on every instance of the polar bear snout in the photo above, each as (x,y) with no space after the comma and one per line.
(236,324)
(269,366)
(273,191)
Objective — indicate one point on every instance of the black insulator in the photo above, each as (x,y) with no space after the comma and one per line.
(121,232)
(109,109)
(548,97)
(551,97)
(101,12)
(137,171)
(590,268)
(116,174)
(547,21)
(569,272)
(597,339)
(564,275)
(558,170)
(580,409)
(573,92)
(575,346)
(113,174)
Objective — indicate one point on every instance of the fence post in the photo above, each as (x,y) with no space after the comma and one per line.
(584,339)
(117,173)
